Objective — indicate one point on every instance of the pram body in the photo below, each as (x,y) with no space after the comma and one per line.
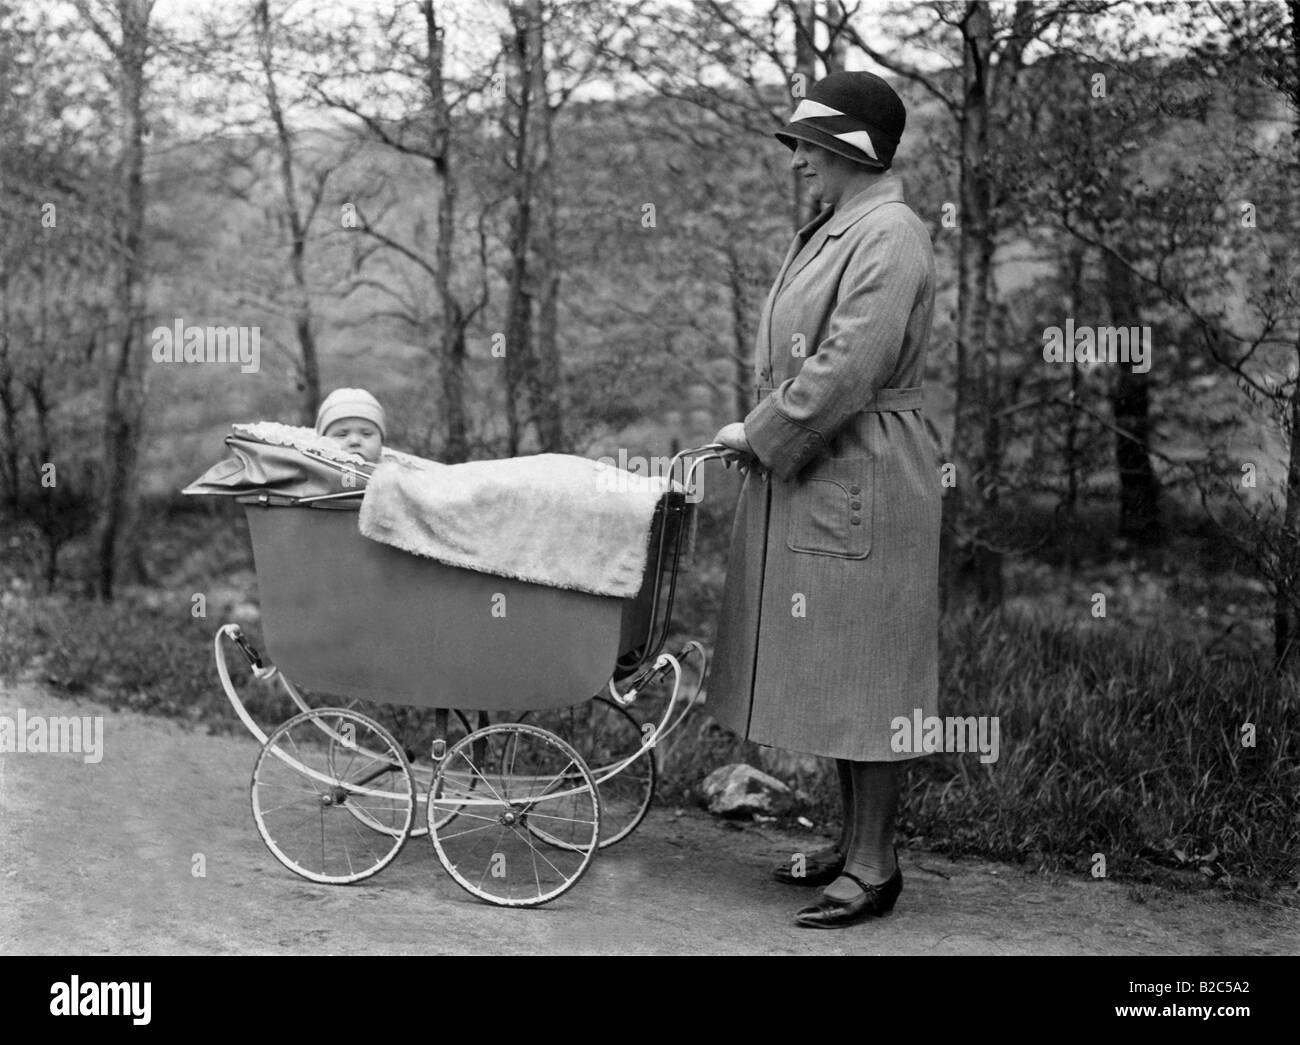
(515,811)
(349,616)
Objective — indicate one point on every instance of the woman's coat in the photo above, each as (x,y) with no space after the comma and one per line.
(829,623)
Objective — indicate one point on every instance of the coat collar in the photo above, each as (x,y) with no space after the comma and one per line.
(888,189)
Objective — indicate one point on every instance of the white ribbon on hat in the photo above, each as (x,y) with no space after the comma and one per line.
(810,110)
(859,140)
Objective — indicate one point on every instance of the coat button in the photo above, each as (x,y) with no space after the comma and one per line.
(856,521)
(855,505)
(855,490)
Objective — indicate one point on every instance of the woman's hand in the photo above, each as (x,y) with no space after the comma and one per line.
(733,435)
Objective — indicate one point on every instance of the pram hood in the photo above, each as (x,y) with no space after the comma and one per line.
(285,461)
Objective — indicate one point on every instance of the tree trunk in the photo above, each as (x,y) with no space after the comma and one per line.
(311,397)
(1073,302)
(124,382)
(970,505)
(533,373)
(1130,397)
(8,406)
(9,434)
(550,373)
(520,56)
(742,348)
(309,365)
(48,512)
(1287,595)
(805,66)
(452,342)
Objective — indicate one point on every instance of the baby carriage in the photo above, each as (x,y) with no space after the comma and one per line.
(517,803)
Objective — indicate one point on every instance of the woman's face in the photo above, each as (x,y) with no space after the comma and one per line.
(357,436)
(826,173)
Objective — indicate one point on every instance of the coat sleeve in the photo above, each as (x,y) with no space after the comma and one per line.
(864,337)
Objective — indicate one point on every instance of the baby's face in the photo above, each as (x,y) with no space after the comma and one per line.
(357,436)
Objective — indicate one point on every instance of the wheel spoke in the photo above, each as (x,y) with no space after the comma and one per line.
(566,819)
(469,831)
(476,771)
(532,847)
(289,805)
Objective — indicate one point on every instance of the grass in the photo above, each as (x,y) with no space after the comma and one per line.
(1129,749)
(1115,740)
(129,654)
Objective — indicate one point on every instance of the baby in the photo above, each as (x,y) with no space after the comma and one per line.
(353,418)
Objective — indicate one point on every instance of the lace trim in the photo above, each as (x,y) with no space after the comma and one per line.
(298,439)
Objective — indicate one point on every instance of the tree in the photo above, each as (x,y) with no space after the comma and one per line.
(549,52)
(123,28)
(298,210)
(1190,238)
(736,71)
(403,99)
(55,257)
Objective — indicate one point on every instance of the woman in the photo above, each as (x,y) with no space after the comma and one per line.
(829,626)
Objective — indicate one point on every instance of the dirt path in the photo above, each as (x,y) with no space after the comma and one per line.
(96,859)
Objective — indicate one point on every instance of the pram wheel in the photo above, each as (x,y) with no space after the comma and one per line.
(333,796)
(605,735)
(492,792)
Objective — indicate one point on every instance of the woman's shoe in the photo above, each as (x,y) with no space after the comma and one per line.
(829,913)
(820,868)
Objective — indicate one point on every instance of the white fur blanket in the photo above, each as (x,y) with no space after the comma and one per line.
(550,519)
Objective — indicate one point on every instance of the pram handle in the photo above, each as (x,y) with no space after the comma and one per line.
(698,455)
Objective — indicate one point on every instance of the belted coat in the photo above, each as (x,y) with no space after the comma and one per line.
(829,621)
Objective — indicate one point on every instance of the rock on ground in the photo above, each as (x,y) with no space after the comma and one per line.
(741,790)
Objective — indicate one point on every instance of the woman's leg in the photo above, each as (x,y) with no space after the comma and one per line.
(870,823)
(844,771)
(822,865)
(844,842)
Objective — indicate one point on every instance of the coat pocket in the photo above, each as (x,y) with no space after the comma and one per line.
(832,508)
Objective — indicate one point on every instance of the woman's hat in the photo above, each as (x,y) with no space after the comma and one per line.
(856,115)
(350,402)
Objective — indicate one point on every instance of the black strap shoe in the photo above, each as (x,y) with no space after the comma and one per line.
(876,900)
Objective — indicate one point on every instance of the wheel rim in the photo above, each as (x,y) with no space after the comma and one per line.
(333,796)
(605,735)
(521,775)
